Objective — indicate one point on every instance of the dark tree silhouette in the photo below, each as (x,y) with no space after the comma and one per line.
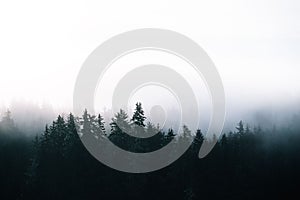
(251,162)
(138,117)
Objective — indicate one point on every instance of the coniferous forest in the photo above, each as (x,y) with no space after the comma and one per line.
(246,163)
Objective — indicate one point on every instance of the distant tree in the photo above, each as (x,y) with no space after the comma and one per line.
(151,129)
(86,123)
(240,128)
(257,130)
(7,119)
(247,130)
(7,123)
(186,132)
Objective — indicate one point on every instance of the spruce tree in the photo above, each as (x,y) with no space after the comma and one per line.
(138,117)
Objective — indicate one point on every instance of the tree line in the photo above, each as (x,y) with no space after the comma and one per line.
(249,162)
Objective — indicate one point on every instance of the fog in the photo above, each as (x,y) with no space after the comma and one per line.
(254,45)
(31,118)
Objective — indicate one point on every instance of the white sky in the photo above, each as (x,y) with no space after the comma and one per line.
(254,44)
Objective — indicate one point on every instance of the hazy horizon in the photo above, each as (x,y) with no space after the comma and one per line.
(254,45)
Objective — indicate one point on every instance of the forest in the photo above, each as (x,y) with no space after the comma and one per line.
(246,163)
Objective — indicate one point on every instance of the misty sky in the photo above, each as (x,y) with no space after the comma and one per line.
(254,44)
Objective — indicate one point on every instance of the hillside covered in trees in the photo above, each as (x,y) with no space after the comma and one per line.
(249,162)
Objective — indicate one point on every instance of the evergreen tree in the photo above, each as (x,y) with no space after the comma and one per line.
(100,124)
(120,123)
(186,132)
(7,123)
(73,140)
(86,123)
(240,128)
(138,117)
(119,129)
(199,138)
(7,119)
(247,130)
(151,129)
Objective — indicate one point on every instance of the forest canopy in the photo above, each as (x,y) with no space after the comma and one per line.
(248,162)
